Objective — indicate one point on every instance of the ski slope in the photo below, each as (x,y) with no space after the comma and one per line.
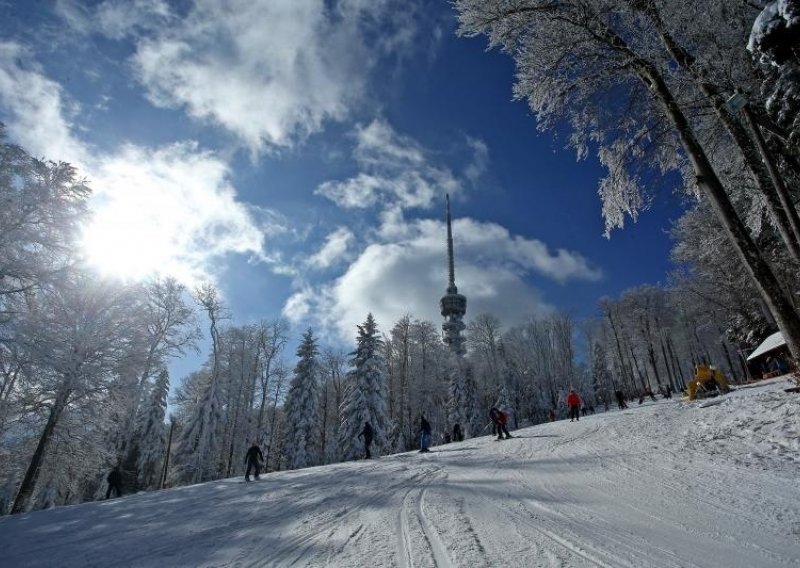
(662,484)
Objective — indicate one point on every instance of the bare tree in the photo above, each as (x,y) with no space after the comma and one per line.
(273,336)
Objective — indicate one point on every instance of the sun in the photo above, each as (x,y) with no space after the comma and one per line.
(126,241)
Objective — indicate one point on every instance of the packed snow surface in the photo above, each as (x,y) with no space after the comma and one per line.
(662,484)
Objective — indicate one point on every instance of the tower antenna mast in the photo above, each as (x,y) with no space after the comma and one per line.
(453,305)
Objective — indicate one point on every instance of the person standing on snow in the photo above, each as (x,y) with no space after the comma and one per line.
(253,459)
(620,400)
(458,435)
(114,482)
(574,404)
(499,420)
(425,435)
(367,433)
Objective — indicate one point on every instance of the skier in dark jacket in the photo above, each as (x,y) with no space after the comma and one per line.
(253,459)
(458,434)
(367,433)
(620,400)
(114,482)
(425,435)
(499,420)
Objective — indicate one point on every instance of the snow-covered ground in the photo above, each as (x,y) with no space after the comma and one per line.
(662,484)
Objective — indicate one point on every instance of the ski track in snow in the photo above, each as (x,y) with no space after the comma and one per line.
(662,485)
(440,555)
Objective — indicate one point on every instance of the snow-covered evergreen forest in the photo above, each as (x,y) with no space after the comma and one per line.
(84,385)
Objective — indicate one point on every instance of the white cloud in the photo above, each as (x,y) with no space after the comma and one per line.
(114,18)
(335,247)
(360,191)
(170,210)
(298,305)
(37,117)
(395,172)
(480,161)
(408,274)
(120,18)
(75,14)
(270,71)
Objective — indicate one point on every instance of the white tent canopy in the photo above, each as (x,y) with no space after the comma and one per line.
(772,342)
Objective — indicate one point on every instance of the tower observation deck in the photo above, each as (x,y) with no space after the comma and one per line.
(453,305)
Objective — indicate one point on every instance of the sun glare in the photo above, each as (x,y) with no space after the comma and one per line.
(126,244)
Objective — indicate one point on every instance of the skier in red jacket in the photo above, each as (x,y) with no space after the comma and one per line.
(574,404)
(499,419)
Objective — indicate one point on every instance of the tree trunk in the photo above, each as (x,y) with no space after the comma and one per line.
(706,178)
(763,277)
(25,492)
(324,429)
(638,370)
(165,469)
(667,365)
(619,348)
(404,393)
(676,363)
(264,387)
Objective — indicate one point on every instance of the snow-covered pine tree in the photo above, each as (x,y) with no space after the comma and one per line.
(150,433)
(457,404)
(197,450)
(365,400)
(197,453)
(302,408)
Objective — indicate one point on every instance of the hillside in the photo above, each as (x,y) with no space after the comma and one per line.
(662,484)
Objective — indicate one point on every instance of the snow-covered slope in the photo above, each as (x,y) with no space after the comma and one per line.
(663,484)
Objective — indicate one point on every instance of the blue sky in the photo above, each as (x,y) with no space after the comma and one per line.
(297,153)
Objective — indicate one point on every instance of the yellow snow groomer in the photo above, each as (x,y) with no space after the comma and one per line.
(707,380)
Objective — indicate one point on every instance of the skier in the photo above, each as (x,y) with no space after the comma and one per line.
(425,435)
(114,482)
(620,400)
(367,434)
(551,415)
(253,459)
(499,420)
(574,404)
(458,435)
